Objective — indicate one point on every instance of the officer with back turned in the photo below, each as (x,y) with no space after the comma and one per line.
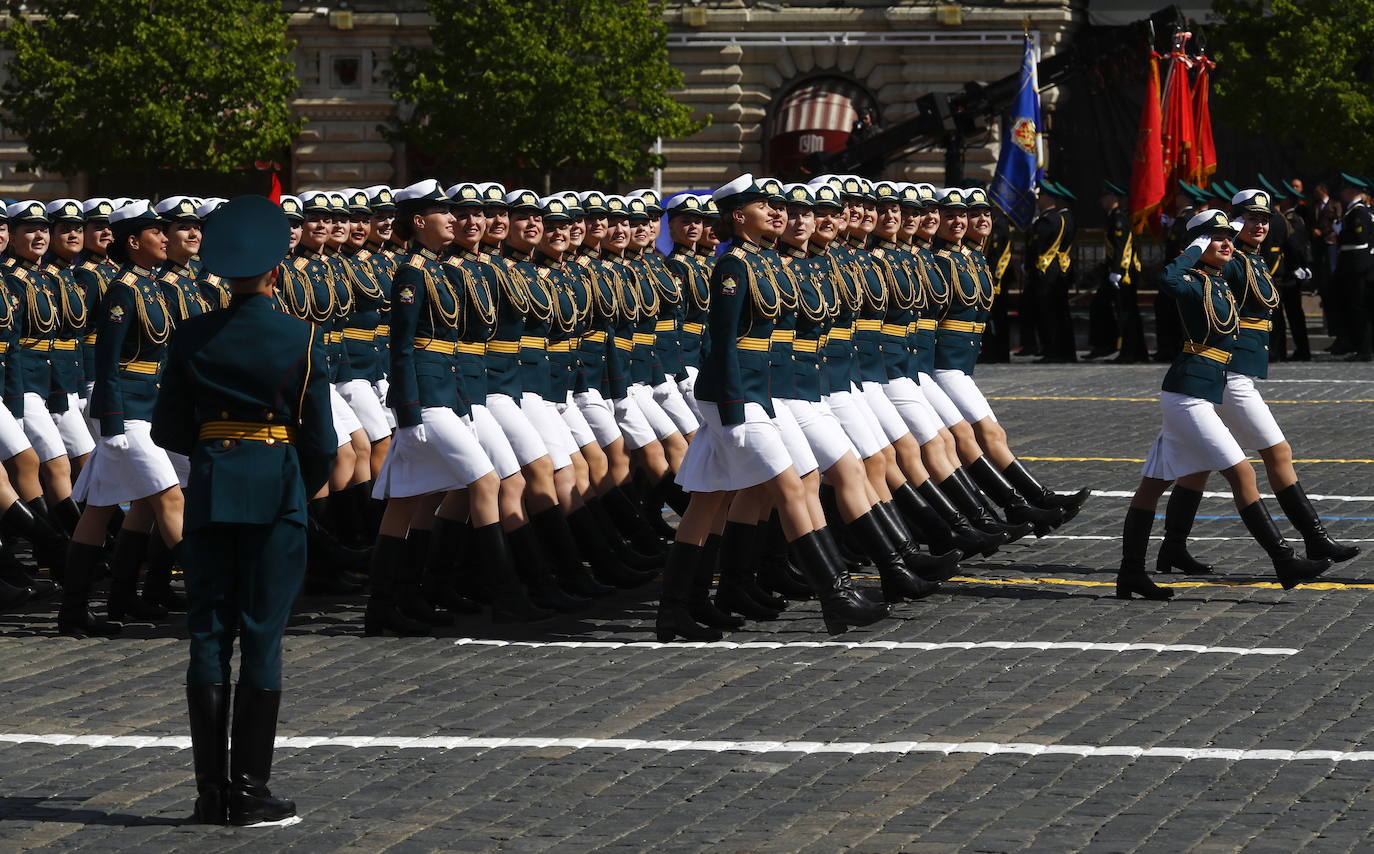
(245,395)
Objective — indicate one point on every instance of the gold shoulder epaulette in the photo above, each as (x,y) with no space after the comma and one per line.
(129,279)
(301,263)
(170,278)
(417,261)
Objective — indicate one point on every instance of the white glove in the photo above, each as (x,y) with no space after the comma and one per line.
(1202,242)
(1302,274)
(1114,278)
(1166,220)
(415,434)
(381,386)
(119,442)
(1337,227)
(1238,225)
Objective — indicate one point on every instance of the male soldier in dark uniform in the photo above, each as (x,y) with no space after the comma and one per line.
(1048,256)
(1354,265)
(245,394)
(1297,262)
(997,335)
(1114,315)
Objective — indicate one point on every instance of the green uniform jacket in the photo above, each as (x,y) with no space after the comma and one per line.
(477,284)
(132,330)
(72,319)
(1256,296)
(837,263)
(93,273)
(744,305)
(36,306)
(247,363)
(694,272)
(970,300)
(424,308)
(905,300)
(360,327)
(671,313)
(868,341)
(1192,288)
(815,301)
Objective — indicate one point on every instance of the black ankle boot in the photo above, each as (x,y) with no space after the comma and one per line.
(510,602)
(1026,484)
(447,544)
(775,572)
(1290,569)
(899,581)
(699,604)
(957,489)
(533,568)
(383,613)
(250,759)
(991,481)
(565,553)
(1179,514)
(75,617)
(1303,515)
(963,535)
(1132,579)
(674,618)
(738,592)
(607,568)
(125,560)
(208,708)
(841,604)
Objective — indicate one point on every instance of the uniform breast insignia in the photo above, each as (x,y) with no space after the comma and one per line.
(407,296)
(729,285)
(116,314)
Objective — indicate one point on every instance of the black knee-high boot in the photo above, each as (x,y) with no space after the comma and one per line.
(699,603)
(1131,578)
(626,553)
(208,709)
(125,561)
(157,579)
(510,602)
(898,580)
(842,605)
(408,578)
(1299,510)
(633,526)
(1040,496)
(250,759)
(1290,569)
(1179,514)
(963,535)
(75,617)
(738,591)
(650,505)
(606,565)
(674,618)
(447,542)
(383,615)
(775,572)
(67,513)
(1013,503)
(936,566)
(963,494)
(565,553)
(48,545)
(533,567)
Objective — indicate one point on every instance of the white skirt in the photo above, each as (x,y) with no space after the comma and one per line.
(687,384)
(667,395)
(965,394)
(1193,439)
(182,466)
(798,447)
(599,414)
(545,418)
(1246,415)
(380,387)
(72,427)
(889,419)
(494,442)
(634,425)
(661,422)
(726,458)
(915,410)
(12,438)
(572,416)
(523,437)
(450,458)
(858,422)
(41,430)
(113,477)
(345,422)
(939,401)
(361,397)
(823,431)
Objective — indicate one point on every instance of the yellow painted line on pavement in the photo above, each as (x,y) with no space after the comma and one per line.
(1077,582)
(1156,399)
(1141,460)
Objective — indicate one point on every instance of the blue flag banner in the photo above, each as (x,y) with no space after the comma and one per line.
(1018,164)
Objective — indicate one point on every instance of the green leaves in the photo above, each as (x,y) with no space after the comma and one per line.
(95,85)
(1300,71)
(525,88)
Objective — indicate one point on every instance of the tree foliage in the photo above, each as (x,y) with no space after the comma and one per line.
(1300,71)
(530,87)
(142,85)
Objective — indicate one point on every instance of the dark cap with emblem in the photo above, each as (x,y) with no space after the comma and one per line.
(1252,201)
(291,206)
(636,209)
(738,193)
(1210,221)
(652,203)
(799,195)
(592,202)
(826,196)
(555,210)
(419,197)
(316,203)
(526,201)
(135,217)
(493,194)
(1113,188)
(465,196)
(616,206)
(358,203)
(245,238)
(380,198)
(887,191)
(174,208)
(684,204)
(954,198)
(65,210)
(27,212)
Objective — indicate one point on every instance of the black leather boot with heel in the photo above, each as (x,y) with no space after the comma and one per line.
(899,581)
(1290,569)
(1299,510)
(250,760)
(738,591)
(842,605)
(1179,514)
(383,612)
(674,618)
(1013,503)
(1131,578)
(208,708)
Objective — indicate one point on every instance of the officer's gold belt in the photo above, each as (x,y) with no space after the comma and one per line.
(897,329)
(843,333)
(333,337)
(1213,353)
(868,325)
(360,334)
(694,328)
(802,345)
(665,326)
(644,338)
(782,336)
(248,431)
(471,348)
(89,339)
(561,346)
(926,323)
(963,326)
(383,330)
(759,344)
(624,344)
(4,346)
(532,342)
(68,344)
(41,345)
(1260,325)
(435,345)
(506,347)
(598,337)
(140,367)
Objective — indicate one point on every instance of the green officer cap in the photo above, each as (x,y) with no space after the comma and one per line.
(652,203)
(1275,192)
(493,194)
(1351,181)
(772,189)
(291,207)
(27,212)
(175,208)
(419,197)
(245,237)
(1231,189)
(465,195)
(887,191)
(1113,188)
(929,196)
(380,199)
(592,202)
(65,210)
(978,198)
(684,203)
(523,200)
(909,197)
(1210,221)
(316,203)
(134,217)
(826,196)
(636,209)
(574,203)
(708,206)
(616,206)
(1255,201)
(358,204)
(555,209)
(955,198)
(97,210)
(799,195)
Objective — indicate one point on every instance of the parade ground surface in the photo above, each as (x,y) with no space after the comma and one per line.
(1023,708)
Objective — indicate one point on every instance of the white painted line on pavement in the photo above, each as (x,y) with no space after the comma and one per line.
(854,748)
(1119,493)
(886,645)
(1191,538)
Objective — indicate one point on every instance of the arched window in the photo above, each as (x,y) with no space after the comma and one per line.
(817,115)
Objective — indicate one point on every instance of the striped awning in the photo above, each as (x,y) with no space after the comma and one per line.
(819,105)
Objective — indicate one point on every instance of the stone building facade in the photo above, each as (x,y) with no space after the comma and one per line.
(779,80)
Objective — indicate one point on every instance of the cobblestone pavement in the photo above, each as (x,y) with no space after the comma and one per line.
(919,737)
